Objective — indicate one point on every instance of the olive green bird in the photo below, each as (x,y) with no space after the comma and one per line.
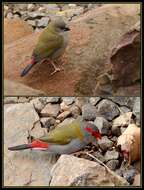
(51,44)
(64,140)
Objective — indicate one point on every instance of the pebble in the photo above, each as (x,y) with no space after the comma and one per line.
(111,155)
(103,125)
(75,111)
(105,143)
(68,100)
(10,100)
(80,101)
(63,115)
(88,112)
(107,109)
(50,110)
(43,22)
(94,100)
(9,15)
(32,22)
(47,122)
(113,164)
(129,175)
(66,121)
(38,105)
(136,109)
(46,100)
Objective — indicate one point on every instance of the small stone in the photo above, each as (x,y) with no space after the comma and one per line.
(105,143)
(35,15)
(43,22)
(9,15)
(23,99)
(99,156)
(111,155)
(75,111)
(31,22)
(136,109)
(66,122)
(103,125)
(16,16)
(124,101)
(6,7)
(68,100)
(116,131)
(107,109)
(88,112)
(57,121)
(114,139)
(10,100)
(21,6)
(129,175)
(46,100)
(94,100)
(31,7)
(124,109)
(47,122)
(72,5)
(63,115)
(38,105)
(113,164)
(51,110)
(123,120)
(64,107)
(80,101)
(41,9)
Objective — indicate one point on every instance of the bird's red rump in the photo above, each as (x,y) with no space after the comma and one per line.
(39,144)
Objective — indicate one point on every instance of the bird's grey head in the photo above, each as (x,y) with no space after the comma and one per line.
(59,24)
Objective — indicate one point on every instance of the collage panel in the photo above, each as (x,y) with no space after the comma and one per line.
(72,94)
(72,141)
(72,50)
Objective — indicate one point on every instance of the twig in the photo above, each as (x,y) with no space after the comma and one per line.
(99,162)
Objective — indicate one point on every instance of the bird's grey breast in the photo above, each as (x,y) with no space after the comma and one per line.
(61,50)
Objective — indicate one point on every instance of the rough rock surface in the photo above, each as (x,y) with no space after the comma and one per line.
(15,29)
(82,173)
(107,109)
(33,167)
(18,89)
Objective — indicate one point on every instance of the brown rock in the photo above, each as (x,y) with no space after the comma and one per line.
(15,29)
(18,89)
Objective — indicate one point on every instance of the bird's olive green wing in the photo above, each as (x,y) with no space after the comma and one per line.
(48,43)
(64,135)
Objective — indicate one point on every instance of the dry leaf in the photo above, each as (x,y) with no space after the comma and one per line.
(130,143)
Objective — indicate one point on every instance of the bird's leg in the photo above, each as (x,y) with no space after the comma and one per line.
(56,69)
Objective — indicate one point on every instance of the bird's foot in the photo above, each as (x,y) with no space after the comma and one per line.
(55,71)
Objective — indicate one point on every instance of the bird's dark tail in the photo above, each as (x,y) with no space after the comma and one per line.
(20,147)
(28,67)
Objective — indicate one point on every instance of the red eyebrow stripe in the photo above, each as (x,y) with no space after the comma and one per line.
(39,144)
(88,129)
